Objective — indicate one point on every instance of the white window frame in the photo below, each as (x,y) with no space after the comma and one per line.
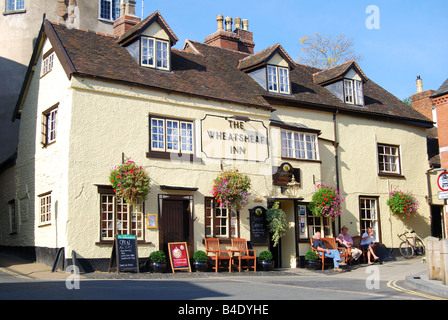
(299,145)
(172,135)
(47,64)
(349,96)
(155,53)
(49,125)
(218,223)
(14,5)
(116,218)
(368,215)
(389,159)
(45,209)
(113,12)
(353,92)
(278,79)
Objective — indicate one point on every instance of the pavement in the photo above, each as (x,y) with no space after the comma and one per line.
(412,271)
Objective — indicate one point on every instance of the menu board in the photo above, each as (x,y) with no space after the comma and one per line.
(258,228)
(124,253)
(179,259)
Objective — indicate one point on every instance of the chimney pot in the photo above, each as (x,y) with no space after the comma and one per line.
(228,24)
(245,24)
(419,84)
(220,21)
(127,18)
(237,23)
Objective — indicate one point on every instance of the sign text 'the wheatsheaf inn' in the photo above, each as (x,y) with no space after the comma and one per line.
(228,138)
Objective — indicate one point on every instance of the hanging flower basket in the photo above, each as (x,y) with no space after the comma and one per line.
(130,182)
(231,189)
(403,204)
(326,202)
(277,224)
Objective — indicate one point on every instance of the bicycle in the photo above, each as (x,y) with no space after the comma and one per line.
(411,245)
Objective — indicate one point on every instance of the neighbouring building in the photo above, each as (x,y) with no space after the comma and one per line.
(20,23)
(185,115)
(440,102)
(423,102)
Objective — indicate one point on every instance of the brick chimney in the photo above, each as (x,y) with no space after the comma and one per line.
(421,101)
(127,19)
(240,39)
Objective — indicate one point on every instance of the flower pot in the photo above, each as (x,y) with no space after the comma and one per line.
(200,266)
(266,265)
(312,264)
(158,267)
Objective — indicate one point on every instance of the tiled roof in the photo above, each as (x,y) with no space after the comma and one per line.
(442,90)
(156,16)
(325,76)
(213,73)
(263,56)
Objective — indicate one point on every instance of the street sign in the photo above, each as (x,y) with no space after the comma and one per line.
(443,195)
(442,181)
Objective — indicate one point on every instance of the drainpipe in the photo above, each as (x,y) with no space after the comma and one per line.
(336,157)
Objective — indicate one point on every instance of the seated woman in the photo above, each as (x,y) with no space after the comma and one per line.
(333,253)
(368,242)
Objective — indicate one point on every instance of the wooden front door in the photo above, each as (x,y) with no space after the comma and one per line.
(176,223)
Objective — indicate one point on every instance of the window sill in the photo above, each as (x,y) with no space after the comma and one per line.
(14,12)
(302,160)
(44,225)
(44,146)
(391,175)
(173,156)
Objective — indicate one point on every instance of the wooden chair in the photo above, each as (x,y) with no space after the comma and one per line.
(357,244)
(217,255)
(239,246)
(330,243)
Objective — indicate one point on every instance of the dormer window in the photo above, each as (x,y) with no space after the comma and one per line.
(155,53)
(278,79)
(353,92)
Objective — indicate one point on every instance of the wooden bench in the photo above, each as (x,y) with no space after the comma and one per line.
(330,244)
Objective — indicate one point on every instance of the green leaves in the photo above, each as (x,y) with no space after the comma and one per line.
(277,224)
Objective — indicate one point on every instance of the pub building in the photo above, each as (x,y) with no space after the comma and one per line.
(91,101)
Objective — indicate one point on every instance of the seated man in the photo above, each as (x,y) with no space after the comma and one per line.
(333,253)
(346,241)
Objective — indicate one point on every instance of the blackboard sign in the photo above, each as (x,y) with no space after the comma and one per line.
(124,254)
(258,228)
(179,256)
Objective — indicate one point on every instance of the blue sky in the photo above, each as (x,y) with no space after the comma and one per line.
(412,38)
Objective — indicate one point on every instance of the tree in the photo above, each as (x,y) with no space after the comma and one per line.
(327,51)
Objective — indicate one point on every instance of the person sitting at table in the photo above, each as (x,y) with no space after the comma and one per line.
(368,242)
(333,253)
(346,241)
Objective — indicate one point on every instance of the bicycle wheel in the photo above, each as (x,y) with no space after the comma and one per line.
(406,249)
(419,247)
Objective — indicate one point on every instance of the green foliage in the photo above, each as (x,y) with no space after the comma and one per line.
(277,225)
(200,256)
(311,256)
(265,255)
(157,256)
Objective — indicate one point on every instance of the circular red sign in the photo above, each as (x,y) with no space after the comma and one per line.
(442,181)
